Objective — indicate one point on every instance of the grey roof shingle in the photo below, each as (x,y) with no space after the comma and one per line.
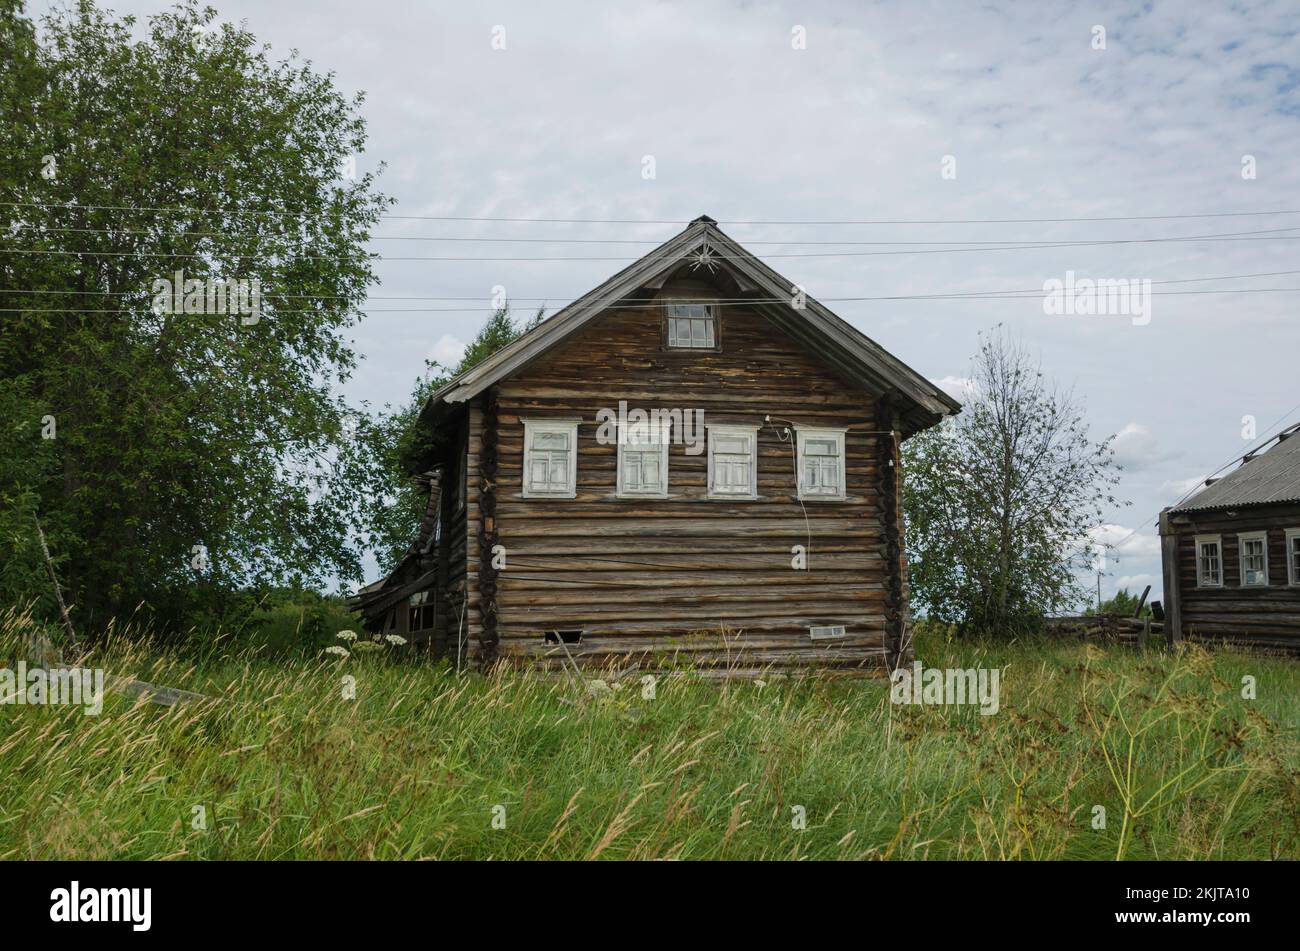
(1268,477)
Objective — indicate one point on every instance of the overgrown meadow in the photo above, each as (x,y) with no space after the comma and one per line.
(427,763)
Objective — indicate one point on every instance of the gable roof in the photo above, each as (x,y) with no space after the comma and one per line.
(1263,478)
(836,341)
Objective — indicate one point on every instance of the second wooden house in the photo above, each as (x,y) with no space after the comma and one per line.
(1231,554)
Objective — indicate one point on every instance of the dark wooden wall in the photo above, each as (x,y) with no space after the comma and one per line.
(660,579)
(1256,617)
(453,616)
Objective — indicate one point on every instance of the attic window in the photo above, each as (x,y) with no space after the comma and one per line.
(691,326)
(562,637)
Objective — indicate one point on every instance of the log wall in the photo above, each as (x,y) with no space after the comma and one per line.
(1257,617)
(660,581)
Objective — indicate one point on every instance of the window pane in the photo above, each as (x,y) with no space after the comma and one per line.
(821,447)
(688,310)
(690,325)
(642,470)
(731,474)
(559,469)
(1209,563)
(545,440)
(1252,561)
(549,458)
(537,473)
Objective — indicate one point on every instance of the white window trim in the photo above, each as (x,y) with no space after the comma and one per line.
(1241,559)
(711,315)
(1292,576)
(804,433)
(662,491)
(729,429)
(569,426)
(1206,539)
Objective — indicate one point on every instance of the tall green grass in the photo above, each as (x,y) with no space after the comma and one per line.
(423,760)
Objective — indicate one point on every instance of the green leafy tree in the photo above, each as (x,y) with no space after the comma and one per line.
(394,442)
(1123,604)
(999,500)
(197,455)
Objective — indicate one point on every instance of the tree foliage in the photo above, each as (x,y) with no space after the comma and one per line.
(395,442)
(1123,604)
(196,455)
(1000,500)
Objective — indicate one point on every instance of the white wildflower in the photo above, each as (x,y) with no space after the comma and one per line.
(348,636)
(760,684)
(395,640)
(337,651)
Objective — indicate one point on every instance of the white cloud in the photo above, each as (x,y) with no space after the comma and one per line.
(1175,489)
(1125,542)
(1136,448)
(959,388)
(1135,583)
(447,350)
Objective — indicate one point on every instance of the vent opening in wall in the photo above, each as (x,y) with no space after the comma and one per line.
(827,632)
(562,637)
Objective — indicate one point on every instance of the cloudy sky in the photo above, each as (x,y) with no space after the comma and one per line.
(933,117)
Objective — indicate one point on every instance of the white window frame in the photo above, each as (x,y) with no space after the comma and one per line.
(1292,573)
(730,429)
(664,437)
(1242,538)
(709,318)
(1205,540)
(802,435)
(536,426)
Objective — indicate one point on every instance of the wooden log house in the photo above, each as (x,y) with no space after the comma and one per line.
(1231,554)
(692,464)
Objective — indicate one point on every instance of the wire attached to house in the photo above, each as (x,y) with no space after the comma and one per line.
(789,437)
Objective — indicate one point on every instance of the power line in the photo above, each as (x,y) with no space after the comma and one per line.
(650,221)
(488,310)
(1229,237)
(474,239)
(617,301)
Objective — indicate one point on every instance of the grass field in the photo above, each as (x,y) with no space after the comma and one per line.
(427,763)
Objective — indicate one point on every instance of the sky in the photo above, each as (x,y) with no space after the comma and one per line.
(904,112)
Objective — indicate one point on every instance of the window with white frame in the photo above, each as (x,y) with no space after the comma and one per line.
(691,326)
(1209,561)
(733,462)
(1293,556)
(550,458)
(821,463)
(1252,550)
(643,460)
